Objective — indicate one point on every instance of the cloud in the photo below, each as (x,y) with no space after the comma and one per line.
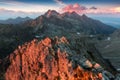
(60,2)
(74,8)
(89,10)
(5,14)
(14,8)
(26,7)
(2,10)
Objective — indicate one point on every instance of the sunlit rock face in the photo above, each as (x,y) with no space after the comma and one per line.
(52,59)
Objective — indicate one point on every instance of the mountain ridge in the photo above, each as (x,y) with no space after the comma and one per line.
(54,25)
(69,21)
(16,20)
(54,59)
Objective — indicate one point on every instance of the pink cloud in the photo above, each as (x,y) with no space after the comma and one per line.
(74,8)
(89,10)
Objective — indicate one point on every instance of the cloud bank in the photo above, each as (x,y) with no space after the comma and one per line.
(89,10)
(14,8)
(74,8)
(5,14)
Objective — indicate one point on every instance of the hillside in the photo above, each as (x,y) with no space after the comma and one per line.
(110,48)
(11,36)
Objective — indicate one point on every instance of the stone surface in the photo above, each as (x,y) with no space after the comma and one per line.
(51,59)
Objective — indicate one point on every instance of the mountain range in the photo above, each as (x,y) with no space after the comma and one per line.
(33,49)
(54,23)
(50,24)
(17,20)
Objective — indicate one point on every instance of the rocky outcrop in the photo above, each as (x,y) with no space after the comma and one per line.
(53,59)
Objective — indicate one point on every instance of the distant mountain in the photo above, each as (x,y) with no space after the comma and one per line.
(111,20)
(53,23)
(116,25)
(15,21)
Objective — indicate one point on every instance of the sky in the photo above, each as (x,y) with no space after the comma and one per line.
(33,8)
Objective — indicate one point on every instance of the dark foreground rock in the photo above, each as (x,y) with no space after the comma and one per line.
(55,59)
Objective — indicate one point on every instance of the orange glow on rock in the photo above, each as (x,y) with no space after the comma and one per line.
(40,61)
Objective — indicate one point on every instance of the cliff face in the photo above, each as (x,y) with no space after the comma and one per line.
(52,59)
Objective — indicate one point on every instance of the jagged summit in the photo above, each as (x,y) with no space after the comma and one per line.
(65,14)
(69,22)
(70,14)
(84,16)
(51,13)
(55,13)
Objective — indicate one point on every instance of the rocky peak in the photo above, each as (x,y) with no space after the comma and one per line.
(69,20)
(70,14)
(52,59)
(51,13)
(84,16)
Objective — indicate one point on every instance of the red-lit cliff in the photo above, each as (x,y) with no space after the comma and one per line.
(52,59)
